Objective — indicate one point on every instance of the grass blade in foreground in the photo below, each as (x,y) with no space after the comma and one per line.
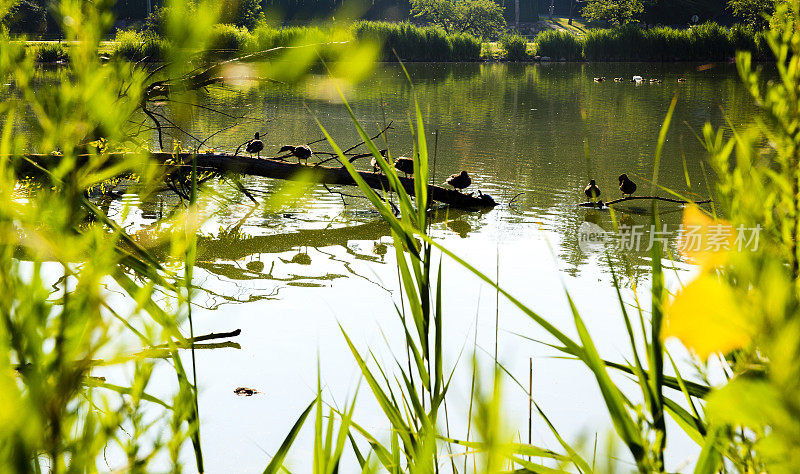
(277,461)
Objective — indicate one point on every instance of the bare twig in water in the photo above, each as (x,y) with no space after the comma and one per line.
(206,337)
(514,198)
(633,198)
(360,155)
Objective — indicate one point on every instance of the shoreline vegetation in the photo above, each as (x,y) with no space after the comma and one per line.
(412,43)
(82,295)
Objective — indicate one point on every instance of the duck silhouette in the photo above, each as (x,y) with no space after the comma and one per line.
(301,152)
(592,191)
(404,164)
(459,181)
(255,146)
(626,185)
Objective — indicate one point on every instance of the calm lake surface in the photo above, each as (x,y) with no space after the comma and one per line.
(534,133)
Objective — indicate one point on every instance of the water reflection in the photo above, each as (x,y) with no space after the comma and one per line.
(291,277)
(542,130)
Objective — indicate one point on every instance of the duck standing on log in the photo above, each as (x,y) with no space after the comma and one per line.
(592,191)
(375,166)
(404,164)
(301,152)
(374,161)
(459,181)
(626,185)
(255,146)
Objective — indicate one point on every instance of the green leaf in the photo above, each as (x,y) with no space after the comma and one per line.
(277,460)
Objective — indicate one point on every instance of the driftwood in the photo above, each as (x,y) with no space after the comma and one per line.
(279,169)
(601,204)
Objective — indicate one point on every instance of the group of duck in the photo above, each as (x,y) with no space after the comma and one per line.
(627,187)
(637,80)
(301,152)
(403,164)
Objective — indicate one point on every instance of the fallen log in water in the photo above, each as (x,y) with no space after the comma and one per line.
(279,169)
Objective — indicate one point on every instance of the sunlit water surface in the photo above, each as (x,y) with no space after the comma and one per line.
(529,135)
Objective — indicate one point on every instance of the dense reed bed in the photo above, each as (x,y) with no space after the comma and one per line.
(403,40)
(414,43)
(706,42)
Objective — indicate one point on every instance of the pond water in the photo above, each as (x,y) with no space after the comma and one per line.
(531,135)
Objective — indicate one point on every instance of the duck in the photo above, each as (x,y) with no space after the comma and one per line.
(618,79)
(302,152)
(681,79)
(255,146)
(459,180)
(626,185)
(374,161)
(592,191)
(404,164)
(599,79)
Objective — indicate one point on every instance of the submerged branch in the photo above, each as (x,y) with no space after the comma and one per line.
(600,204)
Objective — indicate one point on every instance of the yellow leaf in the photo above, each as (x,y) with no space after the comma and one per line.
(705,241)
(706,318)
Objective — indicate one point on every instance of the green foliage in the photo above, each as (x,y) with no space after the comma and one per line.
(754,13)
(50,53)
(229,40)
(706,42)
(154,23)
(244,13)
(515,46)
(134,46)
(26,17)
(413,43)
(558,45)
(756,408)
(59,257)
(464,47)
(614,12)
(266,36)
(481,18)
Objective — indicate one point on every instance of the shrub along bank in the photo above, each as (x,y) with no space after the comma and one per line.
(706,42)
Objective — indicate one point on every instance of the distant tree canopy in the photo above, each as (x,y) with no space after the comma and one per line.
(26,17)
(755,13)
(241,12)
(481,18)
(615,12)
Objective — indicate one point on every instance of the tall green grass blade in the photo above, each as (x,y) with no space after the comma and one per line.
(688,423)
(388,406)
(277,461)
(615,402)
(710,458)
(662,137)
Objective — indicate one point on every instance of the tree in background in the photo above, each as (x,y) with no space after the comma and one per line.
(26,17)
(680,12)
(242,13)
(755,13)
(481,18)
(615,12)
